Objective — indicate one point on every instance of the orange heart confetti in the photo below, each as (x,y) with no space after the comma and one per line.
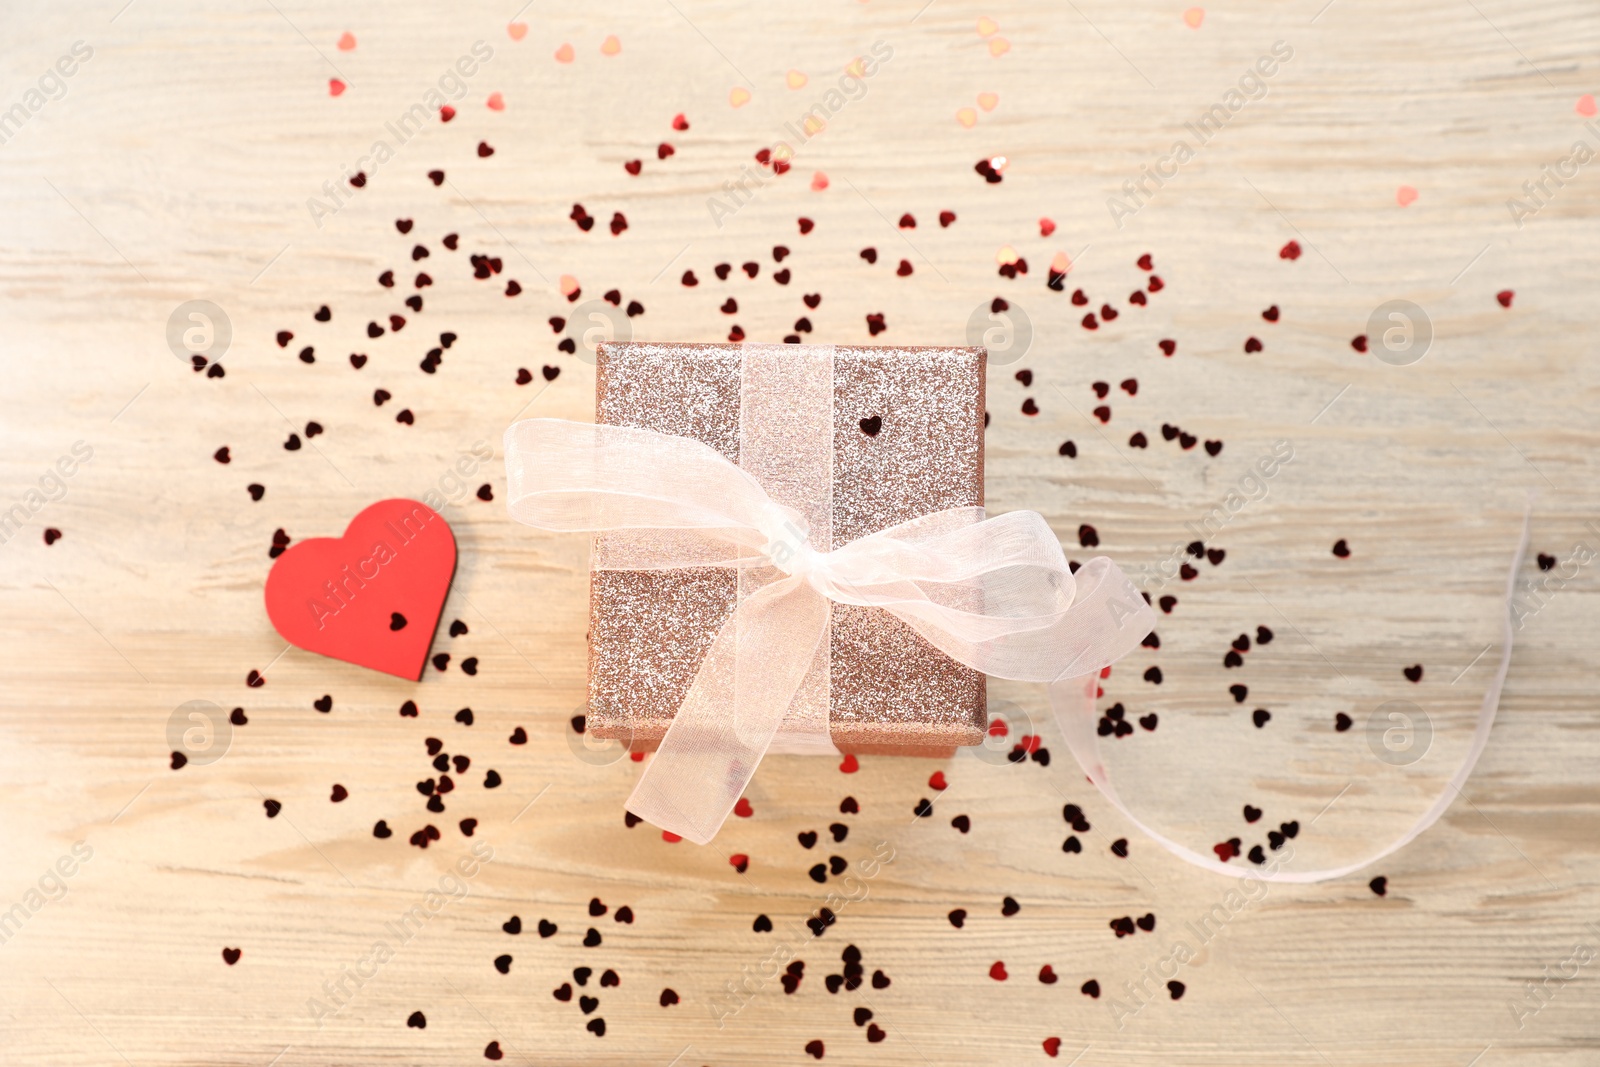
(335,87)
(347,42)
(496,102)
(1046,227)
(565,54)
(967,117)
(1194,17)
(988,101)
(738,96)
(517,30)
(999,46)
(1404,195)
(987,26)
(1061,263)
(569,285)
(610,46)
(796,79)
(1006,256)
(1586,106)
(857,68)
(819,182)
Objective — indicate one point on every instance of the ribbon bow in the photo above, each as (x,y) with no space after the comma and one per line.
(994,594)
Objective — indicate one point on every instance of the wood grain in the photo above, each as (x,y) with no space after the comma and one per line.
(178,165)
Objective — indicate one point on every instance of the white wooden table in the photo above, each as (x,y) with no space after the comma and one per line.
(176,163)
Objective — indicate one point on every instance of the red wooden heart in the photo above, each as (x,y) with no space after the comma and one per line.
(372,597)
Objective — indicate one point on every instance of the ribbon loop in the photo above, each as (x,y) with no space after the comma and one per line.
(994,594)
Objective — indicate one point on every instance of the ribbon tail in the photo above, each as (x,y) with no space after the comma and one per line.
(1074,704)
(725,725)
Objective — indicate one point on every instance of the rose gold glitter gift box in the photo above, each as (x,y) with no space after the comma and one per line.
(908,439)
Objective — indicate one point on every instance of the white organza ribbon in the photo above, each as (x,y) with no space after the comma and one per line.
(995,594)
(1074,704)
